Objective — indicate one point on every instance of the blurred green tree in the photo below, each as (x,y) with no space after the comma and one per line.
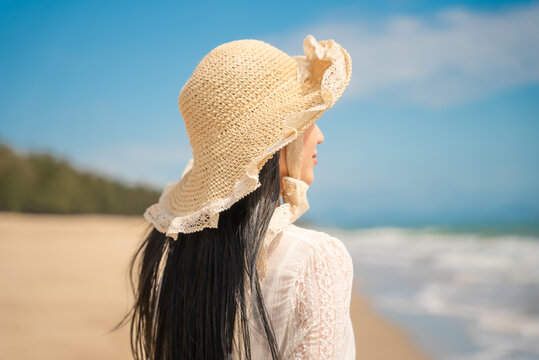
(41,183)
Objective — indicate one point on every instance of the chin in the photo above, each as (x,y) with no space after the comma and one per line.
(308,179)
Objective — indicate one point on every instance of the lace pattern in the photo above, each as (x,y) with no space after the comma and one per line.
(307,293)
(322,303)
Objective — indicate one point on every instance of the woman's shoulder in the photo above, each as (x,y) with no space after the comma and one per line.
(313,238)
(318,244)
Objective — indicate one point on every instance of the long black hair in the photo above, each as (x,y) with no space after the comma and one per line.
(195,292)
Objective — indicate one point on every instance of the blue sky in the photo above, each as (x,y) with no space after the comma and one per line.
(440,123)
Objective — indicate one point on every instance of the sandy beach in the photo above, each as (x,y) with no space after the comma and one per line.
(65,285)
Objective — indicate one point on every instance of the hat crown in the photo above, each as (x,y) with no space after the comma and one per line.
(230,83)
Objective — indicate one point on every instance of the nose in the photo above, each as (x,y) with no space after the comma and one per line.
(320,135)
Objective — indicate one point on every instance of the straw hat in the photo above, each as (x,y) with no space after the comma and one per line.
(245,101)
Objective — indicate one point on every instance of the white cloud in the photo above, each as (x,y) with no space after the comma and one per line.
(452,57)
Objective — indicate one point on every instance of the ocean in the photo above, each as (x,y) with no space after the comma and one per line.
(460,295)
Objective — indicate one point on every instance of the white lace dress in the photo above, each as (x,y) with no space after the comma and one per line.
(307,290)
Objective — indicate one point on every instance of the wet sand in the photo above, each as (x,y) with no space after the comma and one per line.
(65,285)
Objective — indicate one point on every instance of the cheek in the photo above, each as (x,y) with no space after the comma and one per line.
(308,152)
(307,173)
(308,162)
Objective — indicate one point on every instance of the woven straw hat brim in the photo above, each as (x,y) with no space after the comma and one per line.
(230,147)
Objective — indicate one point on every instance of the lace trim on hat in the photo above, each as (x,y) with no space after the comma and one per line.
(334,79)
(208,217)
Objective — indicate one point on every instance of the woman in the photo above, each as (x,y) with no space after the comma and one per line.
(223,272)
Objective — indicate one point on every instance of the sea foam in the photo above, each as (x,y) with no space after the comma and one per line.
(487,285)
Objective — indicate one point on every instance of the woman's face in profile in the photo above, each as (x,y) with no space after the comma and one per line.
(311,137)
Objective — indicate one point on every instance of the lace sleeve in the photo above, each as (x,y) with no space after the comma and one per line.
(322,304)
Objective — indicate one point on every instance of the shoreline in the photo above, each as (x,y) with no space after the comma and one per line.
(65,285)
(377,337)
